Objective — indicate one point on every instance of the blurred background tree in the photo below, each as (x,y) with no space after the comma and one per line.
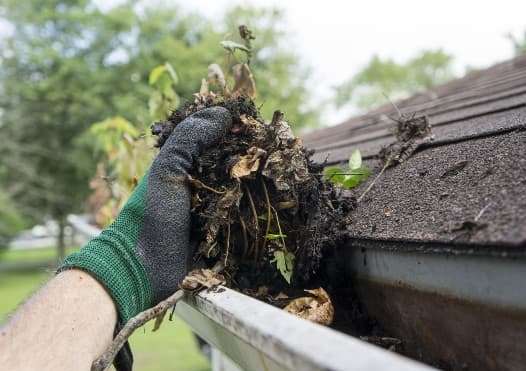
(518,42)
(282,80)
(11,220)
(385,77)
(70,64)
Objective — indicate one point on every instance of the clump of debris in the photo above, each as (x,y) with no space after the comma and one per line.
(259,205)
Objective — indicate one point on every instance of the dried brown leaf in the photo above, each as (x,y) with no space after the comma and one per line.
(202,278)
(248,164)
(249,120)
(281,296)
(244,81)
(216,76)
(316,308)
(229,199)
(204,88)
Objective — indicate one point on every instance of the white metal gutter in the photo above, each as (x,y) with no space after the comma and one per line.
(492,279)
(258,336)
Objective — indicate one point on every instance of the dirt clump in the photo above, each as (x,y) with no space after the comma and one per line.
(411,132)
(260,206)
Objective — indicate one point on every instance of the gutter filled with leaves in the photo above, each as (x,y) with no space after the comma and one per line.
(260,207)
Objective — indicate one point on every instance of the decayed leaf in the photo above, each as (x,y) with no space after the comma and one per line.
(244,81)
(248,164)
(286,167)
(281,296)
(216,76)
(316,308)
(204,88)
(202,278)
(284,135)
(205,96)
(220,218)
(249,120)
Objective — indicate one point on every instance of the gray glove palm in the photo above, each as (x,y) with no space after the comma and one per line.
(143,255)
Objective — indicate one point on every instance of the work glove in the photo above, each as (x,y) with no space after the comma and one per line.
(143,255)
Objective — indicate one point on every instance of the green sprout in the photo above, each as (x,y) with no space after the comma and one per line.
(350,176)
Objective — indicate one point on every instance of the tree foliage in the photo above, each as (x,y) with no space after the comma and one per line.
(518,42)
(281,78)
(70,64)
(386,77)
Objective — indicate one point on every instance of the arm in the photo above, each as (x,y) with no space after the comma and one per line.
(64,326)
(137,261)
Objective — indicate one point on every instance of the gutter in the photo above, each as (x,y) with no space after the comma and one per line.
(456,309)
(257,336)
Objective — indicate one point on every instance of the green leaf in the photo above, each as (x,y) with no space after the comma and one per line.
(272,236)
(231,46)
(285,263)
(172,73)
(355,161)
(156,73)
(351,181)
(356,177)
(363,171)
(334,174)
(163,76)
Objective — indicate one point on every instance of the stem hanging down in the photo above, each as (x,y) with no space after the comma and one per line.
(106,359)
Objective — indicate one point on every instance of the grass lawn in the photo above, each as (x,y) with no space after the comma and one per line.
(43,254)
(171,348)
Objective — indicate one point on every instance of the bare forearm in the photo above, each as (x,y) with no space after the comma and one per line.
(64,326)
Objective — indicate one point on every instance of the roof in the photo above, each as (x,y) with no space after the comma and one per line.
(467,186)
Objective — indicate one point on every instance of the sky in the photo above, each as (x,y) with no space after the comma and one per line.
(336,38)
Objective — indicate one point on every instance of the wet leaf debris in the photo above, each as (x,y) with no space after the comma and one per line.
(259,205)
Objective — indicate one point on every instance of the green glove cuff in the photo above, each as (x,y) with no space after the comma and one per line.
(112,259)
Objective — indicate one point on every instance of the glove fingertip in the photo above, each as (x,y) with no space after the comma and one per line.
(216,115)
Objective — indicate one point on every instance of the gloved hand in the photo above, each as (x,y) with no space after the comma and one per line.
(142,256)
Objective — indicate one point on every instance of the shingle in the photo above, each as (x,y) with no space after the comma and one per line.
(476,162)
(437,193)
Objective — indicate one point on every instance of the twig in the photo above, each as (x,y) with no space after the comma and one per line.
(279,227)
(269,215)
(197,183)
(106,359)
(227,238)
(210,249)
(244,232)
(256,222)
(394,105)
(481,212)
(387,163)
(159,320)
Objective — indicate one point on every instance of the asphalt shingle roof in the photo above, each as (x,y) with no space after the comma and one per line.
(468,186)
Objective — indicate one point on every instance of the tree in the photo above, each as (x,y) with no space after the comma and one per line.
(11,220)
(281,78)
(518,42)
(70,64)
(385,77)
